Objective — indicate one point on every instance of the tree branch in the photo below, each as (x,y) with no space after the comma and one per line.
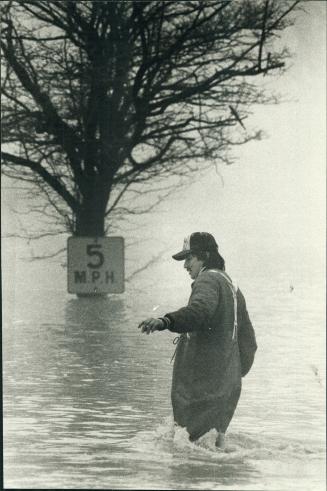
(48,178)
(54,123)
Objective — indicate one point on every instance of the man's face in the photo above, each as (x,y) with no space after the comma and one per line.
(193,266)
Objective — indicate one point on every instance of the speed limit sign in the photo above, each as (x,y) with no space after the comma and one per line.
(95,265)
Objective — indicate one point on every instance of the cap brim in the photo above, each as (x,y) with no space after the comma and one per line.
(180,256)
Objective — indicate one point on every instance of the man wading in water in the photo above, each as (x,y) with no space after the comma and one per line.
(207,372)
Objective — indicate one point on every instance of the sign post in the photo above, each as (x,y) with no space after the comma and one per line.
(95,265)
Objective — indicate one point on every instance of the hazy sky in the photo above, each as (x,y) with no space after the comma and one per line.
(273,197)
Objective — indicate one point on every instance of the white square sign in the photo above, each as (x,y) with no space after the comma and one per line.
(95,265)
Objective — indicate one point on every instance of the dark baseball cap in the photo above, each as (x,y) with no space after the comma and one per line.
(196,242)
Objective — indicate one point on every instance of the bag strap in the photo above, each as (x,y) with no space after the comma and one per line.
(233,289)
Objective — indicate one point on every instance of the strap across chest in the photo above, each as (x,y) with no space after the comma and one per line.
(233,289)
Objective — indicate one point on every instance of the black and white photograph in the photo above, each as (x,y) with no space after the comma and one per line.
(163,244)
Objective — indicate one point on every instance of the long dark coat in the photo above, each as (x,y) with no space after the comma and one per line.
(206,382)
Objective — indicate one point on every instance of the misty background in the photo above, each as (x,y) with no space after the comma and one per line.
(270,203)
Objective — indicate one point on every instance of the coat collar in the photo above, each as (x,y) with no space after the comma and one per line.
(201,271)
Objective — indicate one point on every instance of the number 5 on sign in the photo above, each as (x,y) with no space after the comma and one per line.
(93,250)
(95,265)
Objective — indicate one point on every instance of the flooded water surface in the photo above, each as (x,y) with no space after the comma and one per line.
(87,396)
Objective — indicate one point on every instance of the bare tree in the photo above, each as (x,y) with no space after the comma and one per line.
(105,100)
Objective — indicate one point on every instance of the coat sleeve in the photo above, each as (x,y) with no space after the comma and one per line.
(201,308)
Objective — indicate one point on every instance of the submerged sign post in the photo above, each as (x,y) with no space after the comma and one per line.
(95,265)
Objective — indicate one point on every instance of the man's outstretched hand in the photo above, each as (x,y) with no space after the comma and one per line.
(150,325)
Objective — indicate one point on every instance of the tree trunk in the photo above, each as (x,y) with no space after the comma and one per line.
(90,221)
